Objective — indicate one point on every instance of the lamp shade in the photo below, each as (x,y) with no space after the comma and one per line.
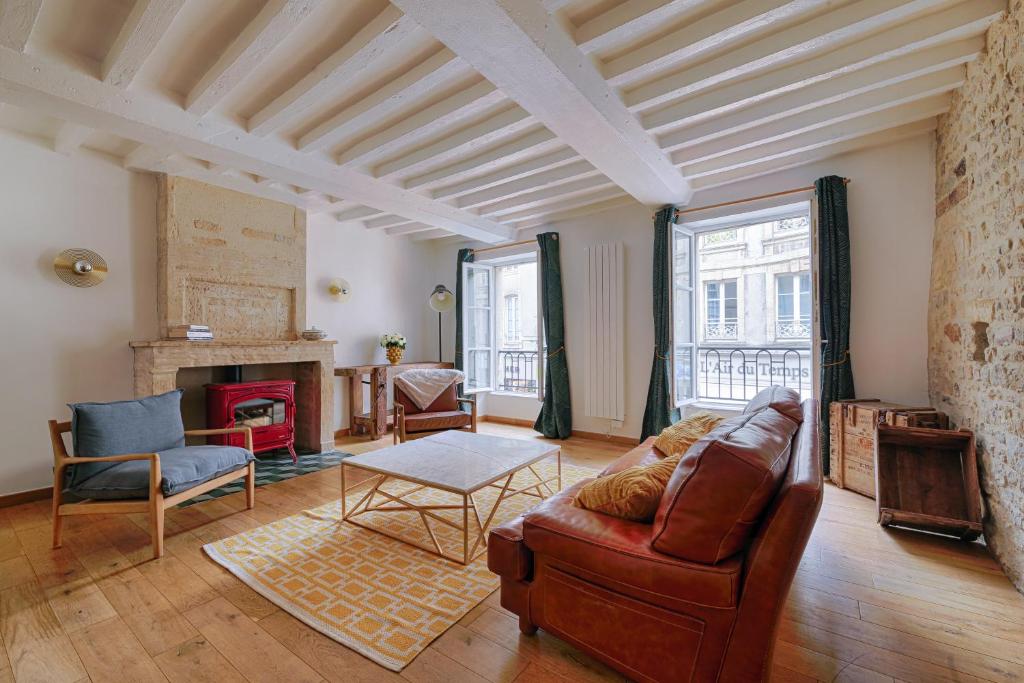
(441,299)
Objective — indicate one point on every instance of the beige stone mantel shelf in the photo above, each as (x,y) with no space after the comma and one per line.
(158,361)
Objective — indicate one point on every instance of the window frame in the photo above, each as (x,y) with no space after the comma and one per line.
(723,320)
(720,220)
(692,237)
(469,306)
(525,256)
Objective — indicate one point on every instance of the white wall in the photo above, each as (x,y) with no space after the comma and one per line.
(61,343)
(391,279)
(891,204)
(891,208)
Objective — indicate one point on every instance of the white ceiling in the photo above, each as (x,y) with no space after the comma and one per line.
(429,118)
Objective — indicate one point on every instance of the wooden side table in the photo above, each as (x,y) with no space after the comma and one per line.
(376,422)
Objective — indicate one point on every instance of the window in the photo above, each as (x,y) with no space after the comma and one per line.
(512,317)
(720,310)
(793,306)
(755,268)
(501,334)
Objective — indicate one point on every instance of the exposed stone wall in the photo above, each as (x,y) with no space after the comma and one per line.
(976,316)
(229,260)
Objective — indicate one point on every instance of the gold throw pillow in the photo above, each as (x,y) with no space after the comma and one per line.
(677,439)
(635,492)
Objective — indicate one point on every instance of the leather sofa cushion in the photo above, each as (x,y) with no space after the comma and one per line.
(618,554)
(507,554)
(717,494)
(446,402)
(180,469)
(782,399)
(448,419)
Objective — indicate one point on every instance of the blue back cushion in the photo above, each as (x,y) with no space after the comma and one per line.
(145,425)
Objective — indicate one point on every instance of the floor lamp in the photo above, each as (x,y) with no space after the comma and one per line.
(441,300)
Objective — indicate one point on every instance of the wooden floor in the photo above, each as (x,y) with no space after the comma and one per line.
(867,605)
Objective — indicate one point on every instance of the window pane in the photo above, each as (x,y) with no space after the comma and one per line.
(805,298)
(682,330)
(785,284)
(712,301)
(730,300)
(478,369)
(684,373)
(479,287)
(479,333)
(681,267)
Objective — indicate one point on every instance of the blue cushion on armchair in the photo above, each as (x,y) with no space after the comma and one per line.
(180,470)
(145,425)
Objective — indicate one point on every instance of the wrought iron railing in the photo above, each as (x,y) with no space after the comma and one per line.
(793,329)
(737,374)
(517,371)
(721,329)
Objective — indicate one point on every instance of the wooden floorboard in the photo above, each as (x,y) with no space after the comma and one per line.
(867,604)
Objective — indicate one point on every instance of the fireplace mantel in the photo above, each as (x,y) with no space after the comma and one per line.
(157,364)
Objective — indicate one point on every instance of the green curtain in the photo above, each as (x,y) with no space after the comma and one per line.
(660,412)
(555,419)
(834,285)
(465,256)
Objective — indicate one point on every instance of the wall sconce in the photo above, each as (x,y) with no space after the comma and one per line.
(80,267)
(339,289)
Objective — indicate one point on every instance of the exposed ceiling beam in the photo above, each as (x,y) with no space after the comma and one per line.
(830,114)
(876,77)
(359,213)
(576,212)
(517,46)
(437,233)
(803,40)
(467,103)
(384,222)
(384,103)
(70,137)
(600,195)
(804,157)
(138,37)
(547,195)
(529,145)
(275,21)
(957,23)
(523,169)
(386,33)
(630,19)
(821,137)
(554,177)
(17,19)
(736,22)
(73,96)
(408,229)
(512,121)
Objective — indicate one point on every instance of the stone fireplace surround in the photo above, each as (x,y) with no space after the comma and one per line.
(237,263)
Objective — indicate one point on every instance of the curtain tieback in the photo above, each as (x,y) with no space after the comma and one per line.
(560,349)
(844,359)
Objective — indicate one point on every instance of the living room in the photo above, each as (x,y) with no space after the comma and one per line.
(512,340)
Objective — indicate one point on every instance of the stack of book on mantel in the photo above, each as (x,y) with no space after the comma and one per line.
(190,332)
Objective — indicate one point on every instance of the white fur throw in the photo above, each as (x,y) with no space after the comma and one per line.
(424,386)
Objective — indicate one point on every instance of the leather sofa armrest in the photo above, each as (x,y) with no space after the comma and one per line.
(558,517)
(507,554)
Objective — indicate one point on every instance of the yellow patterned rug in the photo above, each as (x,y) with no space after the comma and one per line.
(383,598)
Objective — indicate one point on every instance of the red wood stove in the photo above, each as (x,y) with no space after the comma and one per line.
(267,406)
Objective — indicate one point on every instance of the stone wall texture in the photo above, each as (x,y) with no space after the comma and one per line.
(976,316)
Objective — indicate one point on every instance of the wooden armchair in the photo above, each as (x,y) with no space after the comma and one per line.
(443,414)
(156,501)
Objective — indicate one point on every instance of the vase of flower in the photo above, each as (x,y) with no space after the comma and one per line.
(394,347)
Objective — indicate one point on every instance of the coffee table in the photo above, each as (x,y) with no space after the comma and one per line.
(462,463)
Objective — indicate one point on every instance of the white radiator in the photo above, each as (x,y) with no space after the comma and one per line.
(605,356)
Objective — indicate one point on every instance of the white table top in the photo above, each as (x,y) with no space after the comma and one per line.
(456,461)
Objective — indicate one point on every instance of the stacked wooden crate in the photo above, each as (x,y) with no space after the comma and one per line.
(853,427)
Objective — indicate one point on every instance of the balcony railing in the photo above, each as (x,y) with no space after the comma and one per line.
(517,371)
(717,330)
(737,374)
(793,329)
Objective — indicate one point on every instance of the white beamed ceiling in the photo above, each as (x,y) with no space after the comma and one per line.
(479,117)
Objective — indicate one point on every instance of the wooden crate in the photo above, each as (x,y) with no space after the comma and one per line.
(928,479)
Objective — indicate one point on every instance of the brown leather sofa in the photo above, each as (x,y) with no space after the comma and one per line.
(601,584)
(443,414)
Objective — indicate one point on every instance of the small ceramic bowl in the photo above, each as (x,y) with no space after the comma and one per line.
(314,334)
